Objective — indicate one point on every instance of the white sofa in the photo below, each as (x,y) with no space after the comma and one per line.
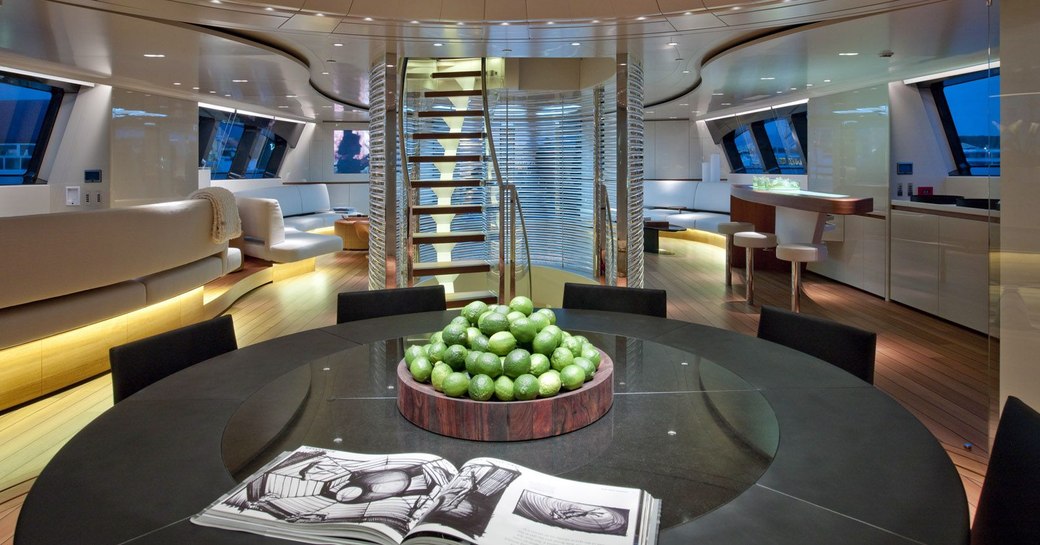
(266,236)
(65,271)
(689,203)
(304,207)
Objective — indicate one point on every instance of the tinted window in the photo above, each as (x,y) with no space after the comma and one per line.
(784,146)
(970,110)
(27,112)
(236,146)
(750,157)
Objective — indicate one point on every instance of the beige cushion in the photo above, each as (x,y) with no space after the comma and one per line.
(754,239)
(232,260)
(712,196)
(261,220)
(296,246)
(802,253)
(172,282)
(31,321)
(669,193)
(59,254)
(294,199)
(733,227)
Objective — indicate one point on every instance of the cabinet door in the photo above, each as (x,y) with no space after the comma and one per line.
(964,272)
(915,260)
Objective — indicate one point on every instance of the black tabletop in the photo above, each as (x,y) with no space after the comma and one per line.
(745,441)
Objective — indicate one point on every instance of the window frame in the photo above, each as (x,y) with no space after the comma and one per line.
(758,136)
(32,170)
(953,139)
(260,160)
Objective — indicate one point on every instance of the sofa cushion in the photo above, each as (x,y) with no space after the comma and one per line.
(31,321)
(294,200)
(658,214)
(310,222)
(172,282)
(669,193)
(261,220)
(296,246)
(314,198)
(702,221)
(712,196)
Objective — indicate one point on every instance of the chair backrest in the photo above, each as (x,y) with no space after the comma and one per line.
(142,362)
(844,346)
(646,301)
(362,305)
(1010,498)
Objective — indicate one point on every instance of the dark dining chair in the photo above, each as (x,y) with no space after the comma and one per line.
(362,305)
(844,346)
(1010,498)
(650,302)
(142,362)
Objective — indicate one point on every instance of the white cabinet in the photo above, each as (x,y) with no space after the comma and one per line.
(858,256)
(940,264)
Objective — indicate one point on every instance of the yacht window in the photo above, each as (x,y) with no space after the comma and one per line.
(27,113)
(969,108)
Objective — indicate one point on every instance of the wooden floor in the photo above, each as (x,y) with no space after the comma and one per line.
(937,370)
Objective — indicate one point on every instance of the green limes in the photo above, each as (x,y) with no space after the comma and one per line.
(471,361)
(539,320)
(473,311)
(587,365)
(582,339)
(549,384)
(590,353)
(492,323)
(523,329)
(455,356)
(479,343)
(471,334)
(502,343)
(517,362)
(440,371)
(504,388)
(555,331)
(550,314)
(539,364)
(456,384)
(435,351)
(572,377)
(501,309)
(572,344)
(561,357)
(481,388)
(435,338)
(413,352)
(522,304)
(544,343)
(421,368)
(514,316)
(525,387)
(461,320)
(454,334)
(487,364)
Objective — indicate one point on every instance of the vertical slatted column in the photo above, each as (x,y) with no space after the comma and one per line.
(382,193)
(630,170)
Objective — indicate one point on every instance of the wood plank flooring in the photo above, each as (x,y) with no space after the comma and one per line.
(939,371)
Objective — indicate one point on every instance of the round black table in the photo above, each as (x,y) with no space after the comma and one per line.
(743,440)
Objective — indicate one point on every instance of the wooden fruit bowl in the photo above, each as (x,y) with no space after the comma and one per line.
(465,418)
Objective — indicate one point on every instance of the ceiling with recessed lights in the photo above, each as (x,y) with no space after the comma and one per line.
(310,58)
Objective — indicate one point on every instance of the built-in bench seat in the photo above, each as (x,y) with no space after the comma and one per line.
(65,273)
(276,221)
(688,203)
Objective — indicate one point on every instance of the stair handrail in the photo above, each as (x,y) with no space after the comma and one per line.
(610,268)
(515,202)
(498,180)
(404,172)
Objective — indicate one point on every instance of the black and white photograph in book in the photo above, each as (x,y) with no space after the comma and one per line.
(318,486)
(467,504)
(572,515)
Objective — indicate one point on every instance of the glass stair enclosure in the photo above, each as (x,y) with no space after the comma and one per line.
(451,176)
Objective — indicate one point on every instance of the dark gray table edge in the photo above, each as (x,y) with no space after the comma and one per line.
(781,385)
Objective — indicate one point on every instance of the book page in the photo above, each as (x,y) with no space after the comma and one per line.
(496,502)
(313,491)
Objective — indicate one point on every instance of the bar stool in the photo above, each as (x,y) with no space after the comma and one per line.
(798,254)
(749,240)
(728,229)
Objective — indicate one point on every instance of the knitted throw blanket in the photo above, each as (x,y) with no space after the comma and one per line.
(226,223)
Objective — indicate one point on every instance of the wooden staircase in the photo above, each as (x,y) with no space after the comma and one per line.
(446,152)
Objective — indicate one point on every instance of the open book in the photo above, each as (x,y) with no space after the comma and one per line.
(326,496)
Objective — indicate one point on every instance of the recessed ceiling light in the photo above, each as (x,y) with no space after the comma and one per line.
(414,22)
(641,18)
(683,104)
(437,44)
(575,43)
(550,22)
(595,21)
(154,55)
(688,13)
(673,117)
(460,23)
(767,78)
(673,43)
(794,88)
(176,83)
(504,23)
(848,54)
(808,85)
(685,71)
(239,81)
(337,44)
(649,111)
(324,73)
(695,111)
(826,81)
(281,106)
(622,64)
(212,92)
(268,9)
(390,66)
(735,8)
(717,94)
(194,88)
(214,1)
(369,19)
(290,96)
(779,92)
(727,104)
(327,106)
(228,95)
(320,14)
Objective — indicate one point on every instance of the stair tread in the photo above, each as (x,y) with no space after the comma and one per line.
(458,74)
(444,158)
(449,267)
(452,113)
(449,234)
(455,93)
(447,183)
(469,296)
(446,135)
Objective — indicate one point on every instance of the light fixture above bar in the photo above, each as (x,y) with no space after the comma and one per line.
(954,72)
(46,76)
